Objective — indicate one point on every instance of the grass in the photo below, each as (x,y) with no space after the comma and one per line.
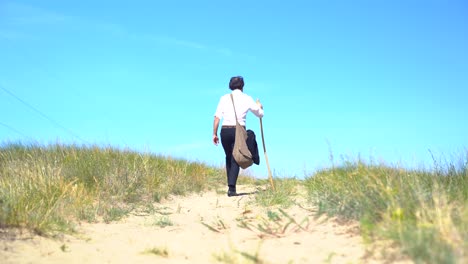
(50,188)
(163,221)
(162,252)
(423,211)
(282,197)
(276,224)
(235,256)
(216,226)
(115,213)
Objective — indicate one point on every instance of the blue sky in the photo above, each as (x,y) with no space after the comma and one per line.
(386,80)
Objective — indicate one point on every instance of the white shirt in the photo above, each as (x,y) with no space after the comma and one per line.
(243,103)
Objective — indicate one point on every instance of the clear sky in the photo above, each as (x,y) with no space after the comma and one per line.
(386,80)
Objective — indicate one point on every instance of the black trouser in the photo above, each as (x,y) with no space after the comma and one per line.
(228,136)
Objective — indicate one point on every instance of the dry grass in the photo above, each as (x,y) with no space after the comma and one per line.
(423,211)
(49,188)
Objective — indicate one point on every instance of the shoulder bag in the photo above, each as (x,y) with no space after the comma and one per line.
(240,151)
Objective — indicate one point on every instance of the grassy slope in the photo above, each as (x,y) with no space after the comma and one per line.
(49,188)
(424,212)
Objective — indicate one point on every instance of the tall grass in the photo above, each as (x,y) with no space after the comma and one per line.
(49,188)
(425,212)
(283,196)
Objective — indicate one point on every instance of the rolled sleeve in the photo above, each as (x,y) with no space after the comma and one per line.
(219,111)
(258,111)
(255,109)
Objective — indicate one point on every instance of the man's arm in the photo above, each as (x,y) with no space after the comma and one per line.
(215,131)
(256,108)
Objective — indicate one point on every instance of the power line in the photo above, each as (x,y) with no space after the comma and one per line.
(69,131)
(12,129)
(16,131)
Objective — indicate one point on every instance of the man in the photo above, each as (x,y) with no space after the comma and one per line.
(225,110)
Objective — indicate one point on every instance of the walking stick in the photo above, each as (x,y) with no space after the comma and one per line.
(266,156)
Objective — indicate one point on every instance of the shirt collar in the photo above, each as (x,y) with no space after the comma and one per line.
(236,91)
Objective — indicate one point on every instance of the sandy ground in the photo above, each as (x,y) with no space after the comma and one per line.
(200,228)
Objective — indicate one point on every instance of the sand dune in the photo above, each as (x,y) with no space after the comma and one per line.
(201,228)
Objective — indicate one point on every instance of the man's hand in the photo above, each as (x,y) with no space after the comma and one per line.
(259,104)
(215,131)
(215,140)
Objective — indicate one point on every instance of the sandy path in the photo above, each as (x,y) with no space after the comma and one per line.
(200,228)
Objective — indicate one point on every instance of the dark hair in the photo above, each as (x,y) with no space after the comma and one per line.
(236,82)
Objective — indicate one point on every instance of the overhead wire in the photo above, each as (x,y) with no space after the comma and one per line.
(69,131)
(17,131)
(12,129)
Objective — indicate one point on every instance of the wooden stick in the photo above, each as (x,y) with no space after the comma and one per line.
(266,157)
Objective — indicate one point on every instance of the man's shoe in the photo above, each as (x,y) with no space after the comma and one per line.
(231,193)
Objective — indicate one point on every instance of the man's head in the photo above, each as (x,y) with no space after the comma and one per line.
(236,82)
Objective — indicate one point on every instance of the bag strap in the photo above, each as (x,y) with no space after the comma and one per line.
(232,99)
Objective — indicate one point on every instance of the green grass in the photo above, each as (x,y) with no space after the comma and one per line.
(283,195)
(163,221)
(235,256)
(276,224)
(50,188)
(423,211)
(162,252)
